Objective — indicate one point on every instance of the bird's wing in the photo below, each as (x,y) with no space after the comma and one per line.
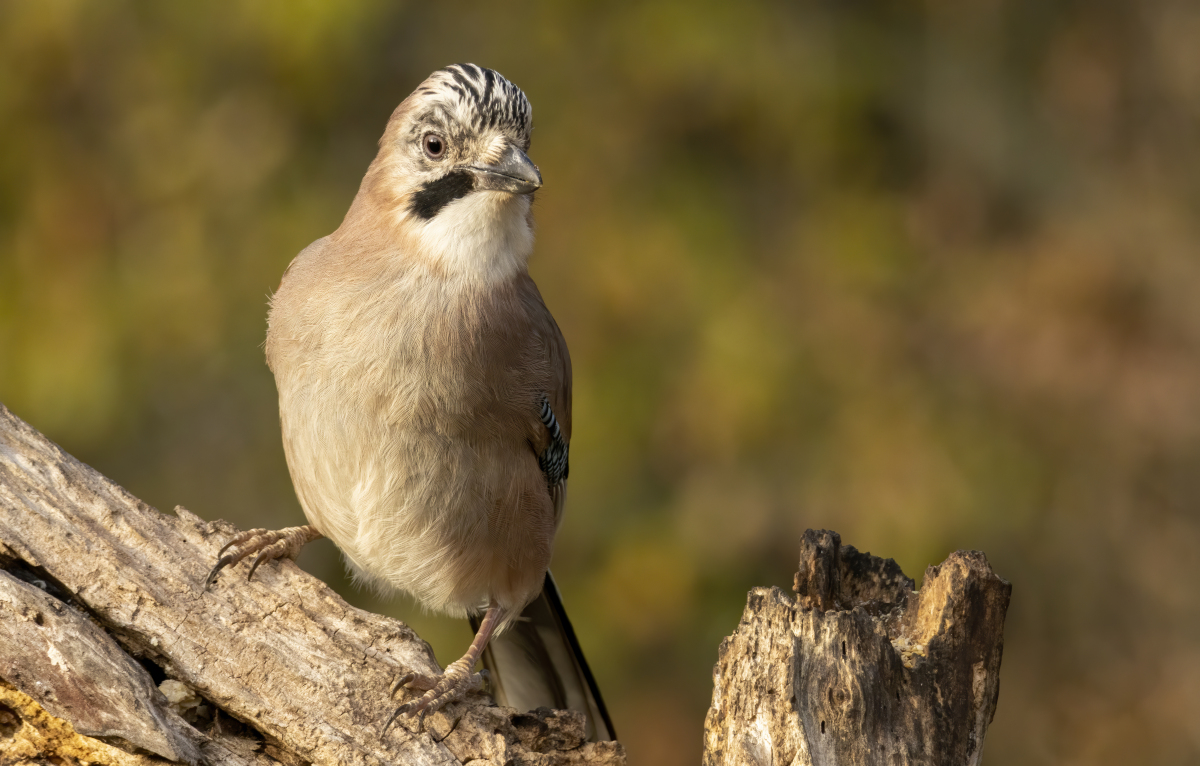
(538,662)
(553,439)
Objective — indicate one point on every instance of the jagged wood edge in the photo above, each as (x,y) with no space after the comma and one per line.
(859,669)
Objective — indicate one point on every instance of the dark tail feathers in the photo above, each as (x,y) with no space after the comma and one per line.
(538,663)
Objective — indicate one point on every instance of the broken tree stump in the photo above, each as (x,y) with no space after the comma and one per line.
(104,615)
(860,669)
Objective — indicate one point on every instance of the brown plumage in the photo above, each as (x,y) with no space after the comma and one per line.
(409,409)
(414,357)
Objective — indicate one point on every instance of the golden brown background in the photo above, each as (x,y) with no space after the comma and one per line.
(923,273)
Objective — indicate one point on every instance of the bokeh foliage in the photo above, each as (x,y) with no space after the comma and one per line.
(925,274)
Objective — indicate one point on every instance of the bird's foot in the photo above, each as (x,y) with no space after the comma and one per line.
(268,544)
(452,685)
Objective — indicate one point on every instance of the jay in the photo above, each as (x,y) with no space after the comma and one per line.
(425,394)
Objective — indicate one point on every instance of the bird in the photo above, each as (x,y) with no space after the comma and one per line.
(425,395)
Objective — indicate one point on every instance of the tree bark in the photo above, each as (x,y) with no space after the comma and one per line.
(104,615)
(860,668)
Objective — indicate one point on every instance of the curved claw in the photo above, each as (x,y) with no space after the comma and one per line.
(399,712)
(284,543)
(400,683)
(260,558)
(403,680)
(221,564)
(224,560)
(409,709)
(440,691)
(452,686)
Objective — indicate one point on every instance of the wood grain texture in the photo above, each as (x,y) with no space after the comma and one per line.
(29,735)
(75,670)
(861,669)
(282,653)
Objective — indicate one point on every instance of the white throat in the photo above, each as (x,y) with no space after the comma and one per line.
(484,237)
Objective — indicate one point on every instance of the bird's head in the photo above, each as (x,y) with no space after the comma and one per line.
(453,169)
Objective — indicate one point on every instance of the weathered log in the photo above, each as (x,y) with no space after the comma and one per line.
(861,669)
(289,672)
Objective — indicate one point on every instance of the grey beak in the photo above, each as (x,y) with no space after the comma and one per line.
(513,173)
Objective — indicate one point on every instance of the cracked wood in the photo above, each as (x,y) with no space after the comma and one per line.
(860,669)
(282,653)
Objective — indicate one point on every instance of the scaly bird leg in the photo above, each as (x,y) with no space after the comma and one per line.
(455,681)
(268,544)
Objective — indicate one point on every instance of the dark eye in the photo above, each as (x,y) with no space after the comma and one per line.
(435,145)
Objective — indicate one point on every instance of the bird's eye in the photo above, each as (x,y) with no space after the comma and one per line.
(435,146)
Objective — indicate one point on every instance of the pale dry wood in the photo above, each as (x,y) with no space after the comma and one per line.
(282,653)
(861,669)
(87,699)
(30,736)
(75,670)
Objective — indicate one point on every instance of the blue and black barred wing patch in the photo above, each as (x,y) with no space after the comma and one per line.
(553,459)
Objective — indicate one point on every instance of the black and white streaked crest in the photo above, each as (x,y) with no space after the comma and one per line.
(483,96)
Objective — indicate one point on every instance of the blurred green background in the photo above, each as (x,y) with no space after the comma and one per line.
(922,273)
